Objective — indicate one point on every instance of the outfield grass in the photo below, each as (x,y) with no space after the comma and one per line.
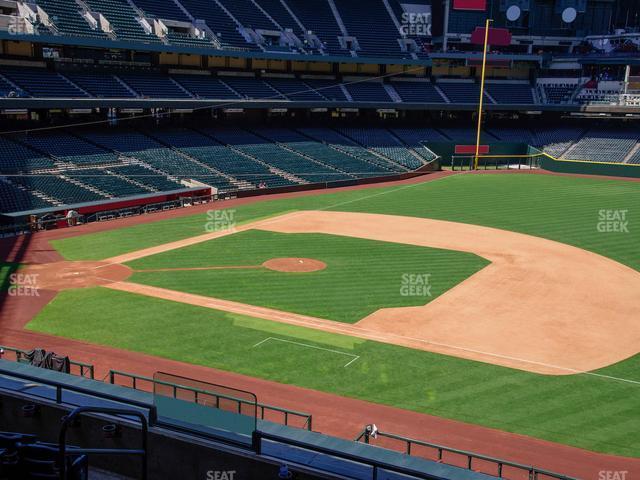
(581,410)
(361,277)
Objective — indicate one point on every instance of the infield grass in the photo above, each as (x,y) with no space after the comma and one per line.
(361,277)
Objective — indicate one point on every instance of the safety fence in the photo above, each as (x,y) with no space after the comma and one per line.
(460,458)
(210,397)
(81,369)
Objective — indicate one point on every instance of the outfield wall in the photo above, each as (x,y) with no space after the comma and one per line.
(547,162)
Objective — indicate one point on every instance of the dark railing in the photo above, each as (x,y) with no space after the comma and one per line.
(532,473)
(83,369)
(283,414)
(61,387)
(69,419)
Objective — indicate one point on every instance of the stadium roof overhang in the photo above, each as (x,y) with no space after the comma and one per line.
(52,40)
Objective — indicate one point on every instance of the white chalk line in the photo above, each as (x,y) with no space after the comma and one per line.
(355,357)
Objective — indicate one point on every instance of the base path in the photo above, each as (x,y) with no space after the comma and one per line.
(541,306)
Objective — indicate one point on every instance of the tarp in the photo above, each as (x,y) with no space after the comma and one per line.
(470,5)
(497,36)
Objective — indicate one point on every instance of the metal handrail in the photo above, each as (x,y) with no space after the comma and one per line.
(91,392)
(68,420)
(532,471)
(86,369)
(287,413)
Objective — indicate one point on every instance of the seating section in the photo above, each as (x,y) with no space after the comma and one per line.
(329,89)
(635,158)
(417,138)
(205,86)
(55,168)
(15,198)
(219,22)
(281,15)
(57,187)
(163,9)
(381,41)
(418,92)
(183,38)
(604,146)
(517,93)
(348,146)
(153,85)
(67,19)
(384,143)
(106,182)
(330,164)
(368,92)
(252,88)
(555,140)
(295,90)
(100,85)
(39,82)
(68,148)
(151,179)
(462,92)
(123,20)
(317,16)
(18,158)
(248,15)
(114,83)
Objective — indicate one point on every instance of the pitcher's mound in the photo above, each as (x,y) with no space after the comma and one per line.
(63,275)
(294,265)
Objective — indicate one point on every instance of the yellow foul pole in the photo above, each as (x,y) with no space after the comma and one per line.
(484,65)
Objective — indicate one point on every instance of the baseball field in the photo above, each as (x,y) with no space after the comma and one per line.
(504,300)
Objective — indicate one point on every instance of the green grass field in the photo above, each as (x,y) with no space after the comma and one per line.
(361,277)
(587,411)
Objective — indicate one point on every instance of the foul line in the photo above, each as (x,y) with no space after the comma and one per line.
(355,357)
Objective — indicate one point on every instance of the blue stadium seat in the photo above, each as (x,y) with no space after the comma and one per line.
(153,85)
(66,17)
(384,143)
(518,93)
(248,15)
(368,92)
(219,22)
(374,28)
(39,82)
(205,86)
(252,88)
(295,90)
(462,92)
(122,17)
(413,91)
(100,84)
(317,16)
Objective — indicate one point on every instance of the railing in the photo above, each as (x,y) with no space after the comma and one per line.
(283,414)
(85,370)
(61,387)
(532,473)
